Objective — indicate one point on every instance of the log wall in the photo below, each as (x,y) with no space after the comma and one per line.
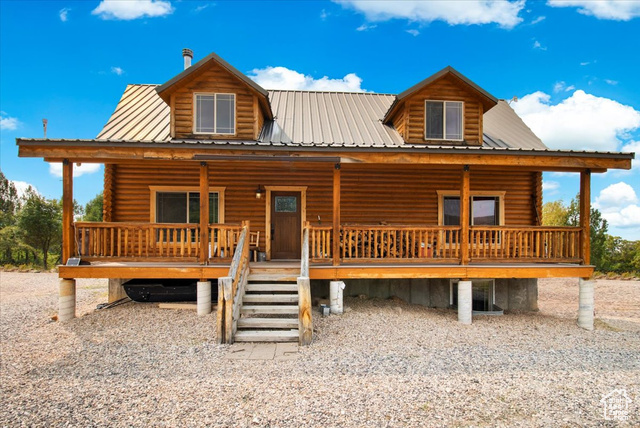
(370,194)
(215,79)
(409,121)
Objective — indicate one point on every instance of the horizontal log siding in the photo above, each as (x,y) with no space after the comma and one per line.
(218,80)
(445,89)
(371,194)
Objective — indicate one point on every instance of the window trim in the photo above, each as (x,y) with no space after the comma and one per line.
(179,189)
(444,120)
(488,193)
(215,94)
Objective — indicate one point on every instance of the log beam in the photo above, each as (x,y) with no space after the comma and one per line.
(464,215)
(336,214)
(68,244)
(585,215)
(204,213)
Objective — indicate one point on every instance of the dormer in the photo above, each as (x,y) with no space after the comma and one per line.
(444,109)
(212,100)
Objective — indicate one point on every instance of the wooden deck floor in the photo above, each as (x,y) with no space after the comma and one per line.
(327,271)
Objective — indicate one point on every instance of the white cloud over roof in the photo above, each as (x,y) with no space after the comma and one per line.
(132,9)
(580,122)
(55,169)
(284,78)
(618,10)
(501,12)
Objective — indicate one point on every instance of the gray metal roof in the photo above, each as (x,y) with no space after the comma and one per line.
(308,119)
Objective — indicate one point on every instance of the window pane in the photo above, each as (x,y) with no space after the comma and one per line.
(204,113)
(485,211)
(224,114)
(213,208)
(194,207)
(286,204)
(434,119)
(171,207)
(451,211)
(454,121)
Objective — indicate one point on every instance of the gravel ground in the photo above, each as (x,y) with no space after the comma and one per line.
(382,363)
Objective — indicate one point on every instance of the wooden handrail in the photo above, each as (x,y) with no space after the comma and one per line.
(233,289)
(305,324)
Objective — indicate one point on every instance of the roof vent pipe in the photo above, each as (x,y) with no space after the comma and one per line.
(188,56)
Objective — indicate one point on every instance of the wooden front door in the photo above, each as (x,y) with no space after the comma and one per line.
(285,225)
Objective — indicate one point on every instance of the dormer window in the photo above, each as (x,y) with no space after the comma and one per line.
(443,120)
(214,114)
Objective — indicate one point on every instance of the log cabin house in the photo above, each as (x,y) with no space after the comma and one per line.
(433,195)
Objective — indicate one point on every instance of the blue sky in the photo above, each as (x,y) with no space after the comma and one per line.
(573,66)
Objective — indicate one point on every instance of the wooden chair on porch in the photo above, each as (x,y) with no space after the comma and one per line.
(254,244)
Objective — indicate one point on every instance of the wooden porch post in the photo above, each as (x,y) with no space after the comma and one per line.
(68,241)
(336,215)
(204,213)
(585,215)
(464,216)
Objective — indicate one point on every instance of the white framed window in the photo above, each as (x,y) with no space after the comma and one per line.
(214,113)
(443,120)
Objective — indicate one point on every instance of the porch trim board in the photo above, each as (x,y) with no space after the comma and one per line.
(349,271)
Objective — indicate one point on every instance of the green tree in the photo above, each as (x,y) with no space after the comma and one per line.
(41,221)
(9,201)
(554,213)
(93,209)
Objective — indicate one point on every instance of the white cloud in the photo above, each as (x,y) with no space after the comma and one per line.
(580,122)
(561,86)
(55,169)
(202,7)
(618,204)
(617,10)
(324,14)
(284,78)
(7,122)
(64,14)
(634,147)
(611,82)
(132,9)
(366,27)
(537,45)
(585,63)
(502,12)
(22,186)
(413,32)
(551,187)
(538,19)
(117,70)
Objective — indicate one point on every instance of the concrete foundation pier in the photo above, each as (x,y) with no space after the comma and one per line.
(465,302)
(585,308)
(204,297)
(67,299)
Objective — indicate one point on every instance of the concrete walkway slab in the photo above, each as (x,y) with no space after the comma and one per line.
(286,351)
(262,351)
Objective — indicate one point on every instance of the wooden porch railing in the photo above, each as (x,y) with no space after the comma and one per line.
(400,242)
(525,244)
(231,289)
(442,244)
(137,241)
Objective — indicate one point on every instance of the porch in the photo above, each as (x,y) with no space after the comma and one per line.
(151,250)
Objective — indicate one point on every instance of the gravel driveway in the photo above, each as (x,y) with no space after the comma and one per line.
(382,363)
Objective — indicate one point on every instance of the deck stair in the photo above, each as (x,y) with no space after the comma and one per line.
(269,311)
